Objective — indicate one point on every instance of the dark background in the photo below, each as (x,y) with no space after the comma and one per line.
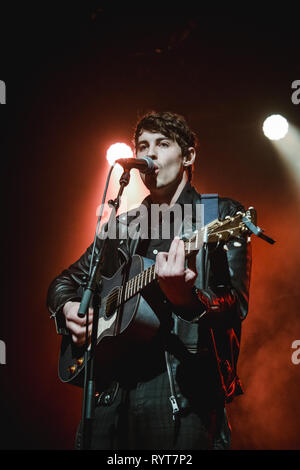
(77,79)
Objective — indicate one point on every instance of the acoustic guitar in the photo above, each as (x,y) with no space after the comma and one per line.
(126,318)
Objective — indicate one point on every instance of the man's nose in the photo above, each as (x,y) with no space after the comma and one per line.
(152,152)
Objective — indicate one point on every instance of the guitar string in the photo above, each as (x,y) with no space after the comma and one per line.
(131,284)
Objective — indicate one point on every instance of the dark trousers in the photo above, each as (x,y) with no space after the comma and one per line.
(141,418)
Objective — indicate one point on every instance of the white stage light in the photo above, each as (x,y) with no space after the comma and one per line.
(275,127)
(117,151)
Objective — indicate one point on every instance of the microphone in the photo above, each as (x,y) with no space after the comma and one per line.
(144,164)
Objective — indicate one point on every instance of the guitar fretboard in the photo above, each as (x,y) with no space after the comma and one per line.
(139,282)
(144,278)
(213,232)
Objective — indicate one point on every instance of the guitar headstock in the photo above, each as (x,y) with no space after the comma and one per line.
(221,230)
(231,226)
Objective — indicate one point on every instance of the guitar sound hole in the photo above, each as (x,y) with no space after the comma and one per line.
(112,303)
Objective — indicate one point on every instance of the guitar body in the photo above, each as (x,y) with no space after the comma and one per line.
(120,329)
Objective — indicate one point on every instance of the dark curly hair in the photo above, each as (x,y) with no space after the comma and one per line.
(173,126)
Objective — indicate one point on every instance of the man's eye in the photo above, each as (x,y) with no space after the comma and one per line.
(164,144)
(141,147)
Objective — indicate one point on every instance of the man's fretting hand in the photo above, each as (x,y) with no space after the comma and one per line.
(174,279)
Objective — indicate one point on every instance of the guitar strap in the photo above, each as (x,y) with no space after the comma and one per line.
(210,212)
(211,206)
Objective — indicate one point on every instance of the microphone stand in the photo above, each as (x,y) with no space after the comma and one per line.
(93,287)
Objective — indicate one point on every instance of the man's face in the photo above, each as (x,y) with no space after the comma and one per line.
(166,154)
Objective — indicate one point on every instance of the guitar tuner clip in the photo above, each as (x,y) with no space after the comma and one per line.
(257,231)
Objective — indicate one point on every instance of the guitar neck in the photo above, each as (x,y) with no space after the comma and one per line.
(215,231)
(144,278)
(139,282)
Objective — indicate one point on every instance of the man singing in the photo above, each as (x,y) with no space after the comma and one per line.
(171,392)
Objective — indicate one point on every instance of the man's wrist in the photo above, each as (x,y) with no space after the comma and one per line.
(60,319)
(193,308)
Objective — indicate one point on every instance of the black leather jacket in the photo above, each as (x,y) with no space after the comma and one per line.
(202,348)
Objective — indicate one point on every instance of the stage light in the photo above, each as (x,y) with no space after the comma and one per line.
(135,192)
(275,127)
(117,151)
